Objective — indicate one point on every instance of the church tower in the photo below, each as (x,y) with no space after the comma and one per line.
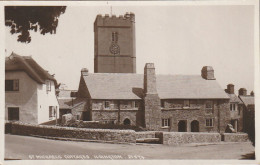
(114,39)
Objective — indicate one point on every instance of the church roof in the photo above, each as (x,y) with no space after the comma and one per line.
(130,86)
(27,64)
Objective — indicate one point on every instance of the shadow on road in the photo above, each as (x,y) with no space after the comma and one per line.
(249,156)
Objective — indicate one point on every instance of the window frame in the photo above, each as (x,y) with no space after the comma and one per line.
(13,108)
(136,104)
(108,105)
(165,123)
(14,83)
(48,86)
(210,122)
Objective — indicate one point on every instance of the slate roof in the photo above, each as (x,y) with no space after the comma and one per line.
(247,100)
(64,93)
(27,64)
(130,86)
(69,103)
(234,98)
(65,103)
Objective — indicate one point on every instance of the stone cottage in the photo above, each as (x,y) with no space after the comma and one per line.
(181,103)
(236,109)
(29,91)
(248,107)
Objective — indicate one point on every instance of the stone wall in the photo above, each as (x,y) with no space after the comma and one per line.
(145,134)
(116,136)
(234,137)
(176,138)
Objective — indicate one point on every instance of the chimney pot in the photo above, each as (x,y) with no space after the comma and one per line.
(242,92)
(84,71)
(207,72)
(230,89)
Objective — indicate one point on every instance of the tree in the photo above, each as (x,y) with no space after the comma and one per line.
(22,19)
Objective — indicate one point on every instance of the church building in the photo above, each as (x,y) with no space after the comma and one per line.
(114,93)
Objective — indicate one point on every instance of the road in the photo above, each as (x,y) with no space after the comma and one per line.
(26,148)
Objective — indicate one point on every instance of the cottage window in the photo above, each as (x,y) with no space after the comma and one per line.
(11,85)
(52,112)
(48,86)
(13,113)
(186,103)
(165,122)
(107,103)
(136,104)
(78,117)
(209,122)
(232,107)
(209,104)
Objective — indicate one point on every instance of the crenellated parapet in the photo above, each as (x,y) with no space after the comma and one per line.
(112,20)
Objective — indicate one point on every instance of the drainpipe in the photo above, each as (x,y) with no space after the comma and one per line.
(118,116)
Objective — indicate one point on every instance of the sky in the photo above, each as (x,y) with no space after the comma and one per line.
(180,40)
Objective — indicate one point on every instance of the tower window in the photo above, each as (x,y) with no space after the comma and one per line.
(114,36)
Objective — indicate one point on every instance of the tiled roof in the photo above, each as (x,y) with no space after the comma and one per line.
(234,98)
(247,100)
(130,86)
(27,64)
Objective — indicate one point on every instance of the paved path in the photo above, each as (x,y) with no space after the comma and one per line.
(25,147)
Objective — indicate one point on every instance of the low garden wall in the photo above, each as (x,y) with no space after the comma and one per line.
(116,136)
(234,137)
(175,138)
(145,134)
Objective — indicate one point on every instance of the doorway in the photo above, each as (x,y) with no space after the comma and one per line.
(194,126)
(127,121)
(182,126)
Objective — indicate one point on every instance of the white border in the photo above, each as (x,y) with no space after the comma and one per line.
(133,3)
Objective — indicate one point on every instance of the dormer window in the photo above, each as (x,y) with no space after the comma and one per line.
(48,86)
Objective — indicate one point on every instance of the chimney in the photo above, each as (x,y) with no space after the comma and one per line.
(242,92)
(84,72)
(152,108)
(230,89)
(149,79)
(252,93)
(207,72)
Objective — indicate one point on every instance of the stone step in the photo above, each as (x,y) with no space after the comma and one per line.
(148,140)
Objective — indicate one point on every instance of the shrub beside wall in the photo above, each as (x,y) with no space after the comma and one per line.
(235,137)
(117,136)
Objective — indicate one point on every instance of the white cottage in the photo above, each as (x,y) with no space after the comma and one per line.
(29,91)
